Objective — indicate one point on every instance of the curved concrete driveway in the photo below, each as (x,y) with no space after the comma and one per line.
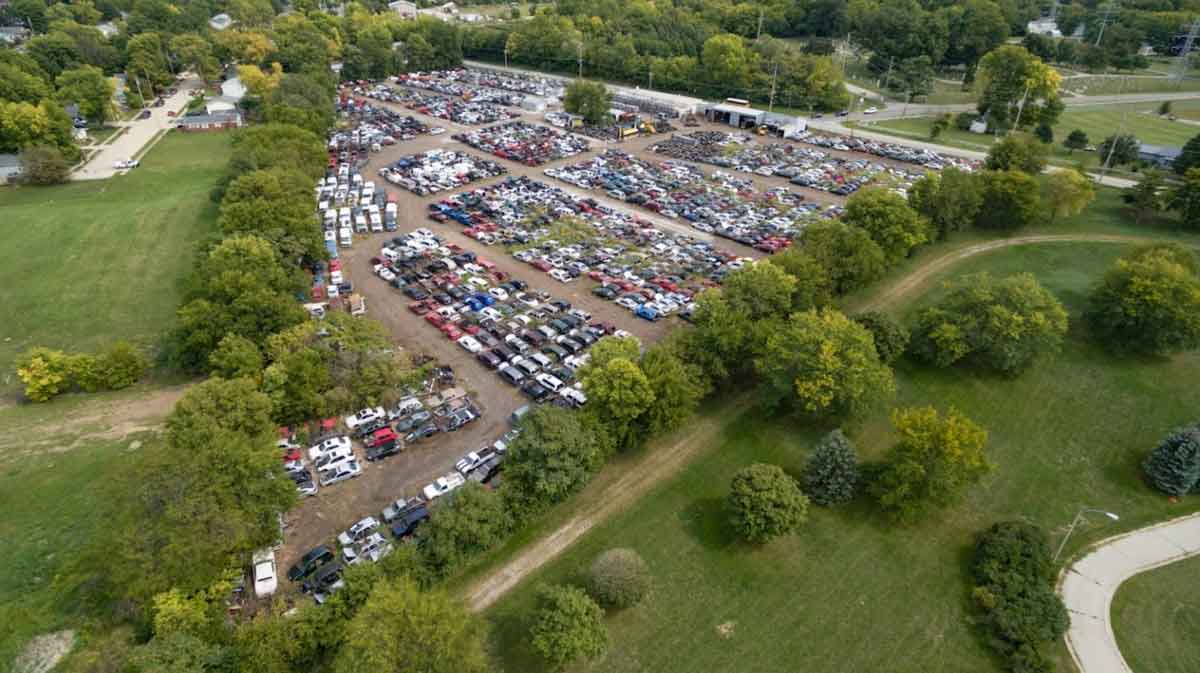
(1088,586)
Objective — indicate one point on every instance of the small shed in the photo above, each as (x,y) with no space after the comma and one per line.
(1159,155)
(10,167)
(734,115)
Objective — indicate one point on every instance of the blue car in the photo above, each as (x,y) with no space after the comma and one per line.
(647,313)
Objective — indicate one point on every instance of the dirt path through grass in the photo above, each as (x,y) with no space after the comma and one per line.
(90,421)
(897,291)
(660,462)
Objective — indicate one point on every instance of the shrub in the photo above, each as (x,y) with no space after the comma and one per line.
(1014,588)
(1173,467)
(44,165)
(45,373)
(831,475)
(121,366)
(1149,302)
(568,626)
(891,338)
(764,503)
(618,578)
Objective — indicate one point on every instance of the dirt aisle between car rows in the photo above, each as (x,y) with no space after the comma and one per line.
(659,463)
(892,295)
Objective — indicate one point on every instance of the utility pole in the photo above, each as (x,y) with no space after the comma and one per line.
(506,54)
(1104,21)
(1113,146)
(580,44)
(887,78)
(774,77)
(1021,108)
(760,22)
(650,85)
(1185,55)
(1079,518)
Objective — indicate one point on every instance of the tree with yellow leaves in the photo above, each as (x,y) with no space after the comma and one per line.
(259,83)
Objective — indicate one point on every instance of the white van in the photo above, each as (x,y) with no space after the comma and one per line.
(345,237)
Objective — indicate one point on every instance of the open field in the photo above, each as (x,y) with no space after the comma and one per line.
(1098,122)
(1156,617)
(92,262)
(852,577)
(1107,86)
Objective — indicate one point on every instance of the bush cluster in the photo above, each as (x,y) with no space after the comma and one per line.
(47,372)
(1014,589)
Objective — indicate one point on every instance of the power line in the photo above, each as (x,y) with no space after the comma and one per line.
(1185,55)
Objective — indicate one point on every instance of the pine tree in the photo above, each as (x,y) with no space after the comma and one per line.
(831,475)
(1173,467)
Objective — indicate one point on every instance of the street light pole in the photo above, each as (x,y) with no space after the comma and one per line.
(1074,523)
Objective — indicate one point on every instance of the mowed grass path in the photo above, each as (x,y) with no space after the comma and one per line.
(1156,616)
(851,591)
(88,263)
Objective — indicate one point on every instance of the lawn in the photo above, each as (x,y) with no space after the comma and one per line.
(852,592)
(1156,616)
(1107,86)
(92,262)
(1098,122)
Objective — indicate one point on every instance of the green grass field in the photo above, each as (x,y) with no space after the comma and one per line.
(91,262)
(852,592)
(1156,616)
(1107,86)
(1098,122)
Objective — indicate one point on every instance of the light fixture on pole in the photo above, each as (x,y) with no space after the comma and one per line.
(1078,518)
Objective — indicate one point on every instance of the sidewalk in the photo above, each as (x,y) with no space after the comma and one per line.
(1088,586)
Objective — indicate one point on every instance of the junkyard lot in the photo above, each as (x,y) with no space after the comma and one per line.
(317,520)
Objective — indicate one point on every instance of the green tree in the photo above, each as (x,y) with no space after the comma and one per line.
(950,200)
(618,578)
(1067,193)
(1117,150)
(88,88)
(555,455)
(1013,83)
(121,365)
(1185,199)
(936,458)
(888,220)
(1147,196)
(1189,158)
(813,287)
(195,53)
(1149,302)
(236,357)
(568,626)
(890,337)
(1011,200)
(831,474)
(1076,140)
(177,653)
(473,521)
(148,61)
(54,53)
(1045,134)
(939,126)
(234,405)
(765,503)
(618,393)
(677,390)
(1173,467)
(727,63)
(823,365)
(276,204)
(1004,325)
(588,99)
(1017,153)
(44,165)
(976,28)
(763,291)
(283,146)
(21,85)
(848,254)
(402,629)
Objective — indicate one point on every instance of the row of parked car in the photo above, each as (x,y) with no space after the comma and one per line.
(372,127)
(348,204)
(895,151)
(531,340)
(520,141)
(439,170)
(435,105)
(444,83)
(720,204)
(524,83)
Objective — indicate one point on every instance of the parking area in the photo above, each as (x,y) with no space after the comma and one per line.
(485,110)
(438,170)
(524,142)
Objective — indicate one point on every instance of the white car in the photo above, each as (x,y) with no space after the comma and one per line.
(436,131)
(499,293)
(468,462)
(347,469)
(365,416)
(551,383)
(443,485)
(326,445)
(332,457)
(871,110)
(358,531)
(470,344)
(574,395)
(265,580)
(122,164)
(561,275)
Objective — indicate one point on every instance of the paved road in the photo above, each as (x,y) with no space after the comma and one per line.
(1088,586)
(139,134)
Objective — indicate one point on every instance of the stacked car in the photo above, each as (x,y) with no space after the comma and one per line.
(438,170)
(529,144)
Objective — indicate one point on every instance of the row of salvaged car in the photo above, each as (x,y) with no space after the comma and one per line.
(530,339)
(895,151)
(439,170)
(320,570)
(534,85)
(520,141)
(435,105)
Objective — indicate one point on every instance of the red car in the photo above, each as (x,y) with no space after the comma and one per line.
(541,265)
(435,320)
(596,276)
(471,329)
(379,437)
(291,454)
(452,333)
